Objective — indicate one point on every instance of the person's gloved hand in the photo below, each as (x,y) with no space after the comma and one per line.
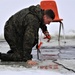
(47,36)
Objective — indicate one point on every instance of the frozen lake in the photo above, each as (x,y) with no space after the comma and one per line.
(65,55)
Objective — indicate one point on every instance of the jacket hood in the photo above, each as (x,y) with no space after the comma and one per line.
(37,11)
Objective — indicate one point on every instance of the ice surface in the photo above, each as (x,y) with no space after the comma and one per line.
(29,72)
(65,54)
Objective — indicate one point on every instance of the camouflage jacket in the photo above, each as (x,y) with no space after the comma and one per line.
(21,21)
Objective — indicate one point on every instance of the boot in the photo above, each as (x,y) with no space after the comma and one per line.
(15,57)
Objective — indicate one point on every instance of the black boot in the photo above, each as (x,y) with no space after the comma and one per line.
(14,57)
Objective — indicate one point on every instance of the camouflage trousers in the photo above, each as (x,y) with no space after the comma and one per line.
(16,45)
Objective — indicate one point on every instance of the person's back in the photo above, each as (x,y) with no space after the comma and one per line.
(19,19)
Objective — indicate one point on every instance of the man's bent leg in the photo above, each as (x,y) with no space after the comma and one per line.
(11,38)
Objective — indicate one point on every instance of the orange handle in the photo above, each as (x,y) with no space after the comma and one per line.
(39,45)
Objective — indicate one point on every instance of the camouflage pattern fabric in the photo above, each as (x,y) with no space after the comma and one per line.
(21,33)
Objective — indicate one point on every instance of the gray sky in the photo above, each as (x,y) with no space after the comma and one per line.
(66,9)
